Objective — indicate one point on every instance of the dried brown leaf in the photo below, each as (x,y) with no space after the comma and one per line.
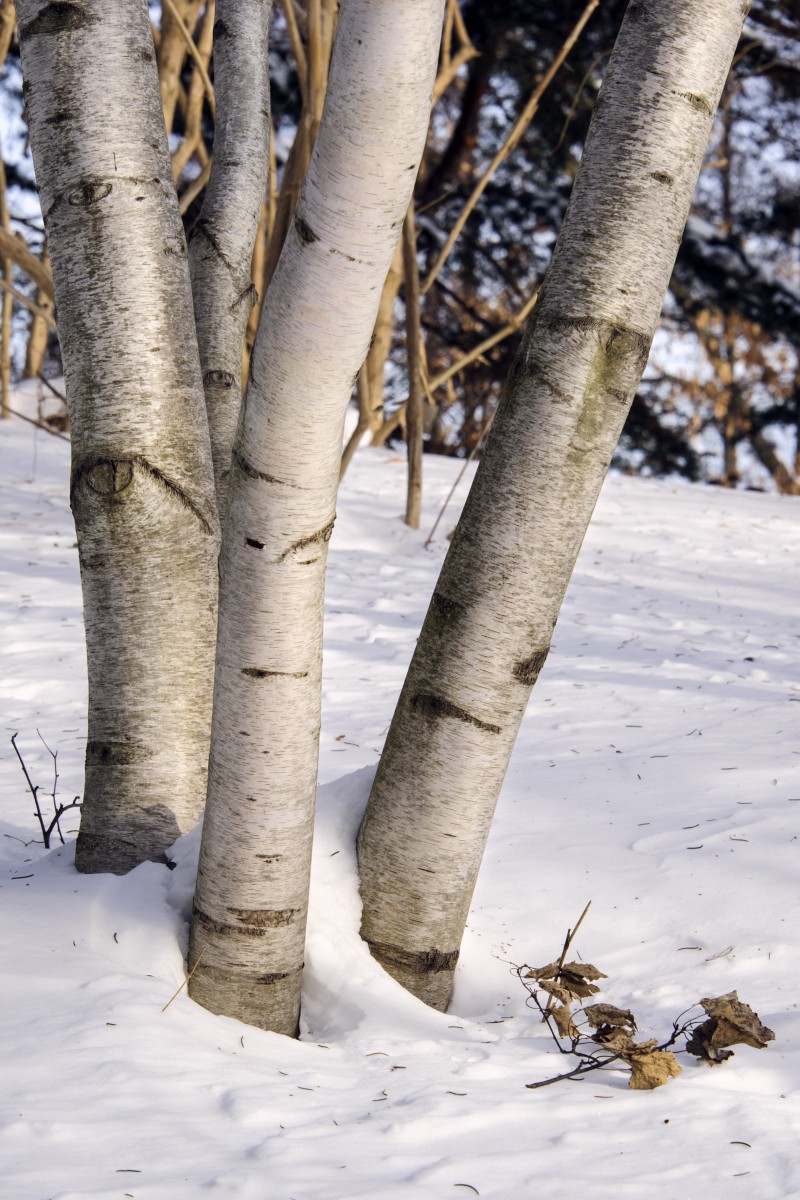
(564,1023)
(651,1068)
(611,1037)
(586,970)
(608,1014)
(571,980)
(731,1023)
(576,986)
(548,972)
(562,994)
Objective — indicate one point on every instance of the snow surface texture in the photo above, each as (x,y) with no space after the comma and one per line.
(657,774)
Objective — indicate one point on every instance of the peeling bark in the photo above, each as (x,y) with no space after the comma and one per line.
(581,359)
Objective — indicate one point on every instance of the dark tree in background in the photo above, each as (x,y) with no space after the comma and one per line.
(720,400)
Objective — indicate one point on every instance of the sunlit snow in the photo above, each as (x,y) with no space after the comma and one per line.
(657,774)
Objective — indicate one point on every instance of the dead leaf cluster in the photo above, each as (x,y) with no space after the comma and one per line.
(608,1033)
(565,983)
(730,1022)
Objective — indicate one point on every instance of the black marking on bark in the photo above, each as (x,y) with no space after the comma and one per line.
(304,231)
(275,977)
(117,754)
(446,608)
(57,17)
(612,335)
(247,297)
(622,340)
(253,473)
(175,248)
(699,103)
(270,858)
(60,118)
(264,918)
(636,10)
(260,673)
(248,922)
(222,379)
(418,962)
(203,229)
(314,539)
(556,393)
(347,257)
(663,177)
(109,478)
(618,395)
(221,30)
(90,192)
(252,542)
(145,56)
(527,671)
(517,369)
(430,705)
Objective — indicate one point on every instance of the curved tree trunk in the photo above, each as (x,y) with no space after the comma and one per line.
(221,244)
(488,629)
(251,899)
(142,486)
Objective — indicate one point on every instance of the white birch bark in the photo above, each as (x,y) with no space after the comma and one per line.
(221,243)
(251,900)
(488,629)
(142,484)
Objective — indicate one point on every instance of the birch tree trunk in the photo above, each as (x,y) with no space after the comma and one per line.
(221,244)
(142,484)
(251,900)
(488,629)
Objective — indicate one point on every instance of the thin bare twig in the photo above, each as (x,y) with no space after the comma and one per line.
(177,993)
(60,809)
(511,142)
(570,938)
(15,247)
(39,425)
(195,53)
(414,422)
(483,347)
(287,8)
(487,425)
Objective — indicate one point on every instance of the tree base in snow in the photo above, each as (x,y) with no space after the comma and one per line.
(268,1002)
(427,974)
(145,838)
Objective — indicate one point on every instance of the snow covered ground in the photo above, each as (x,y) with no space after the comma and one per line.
(657,774)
